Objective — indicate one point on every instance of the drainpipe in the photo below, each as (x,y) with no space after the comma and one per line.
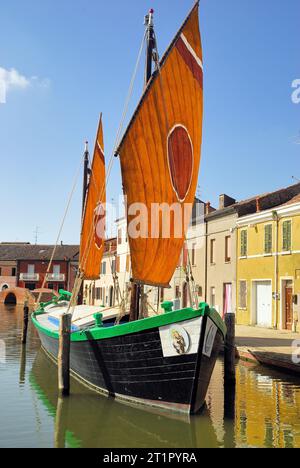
(276,219)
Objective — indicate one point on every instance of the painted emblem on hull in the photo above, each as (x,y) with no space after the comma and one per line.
(99,225)
(180,339)
(180,160)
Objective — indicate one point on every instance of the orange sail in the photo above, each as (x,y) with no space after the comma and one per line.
(93,227)
(160,154)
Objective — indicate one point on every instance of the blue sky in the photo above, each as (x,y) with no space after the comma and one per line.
(81,56)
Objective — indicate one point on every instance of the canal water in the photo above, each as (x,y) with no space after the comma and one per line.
(263,412)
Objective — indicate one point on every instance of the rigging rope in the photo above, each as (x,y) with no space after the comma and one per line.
(61,227)
(80,275)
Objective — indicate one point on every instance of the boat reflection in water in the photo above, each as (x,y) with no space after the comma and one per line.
(264,411)
(86,419)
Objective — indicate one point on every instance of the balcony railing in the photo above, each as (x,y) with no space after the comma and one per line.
(53,277)
(29,277)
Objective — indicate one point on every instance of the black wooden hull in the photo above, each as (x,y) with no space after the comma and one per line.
(137,367)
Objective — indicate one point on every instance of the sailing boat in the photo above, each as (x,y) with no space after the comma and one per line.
(165,361)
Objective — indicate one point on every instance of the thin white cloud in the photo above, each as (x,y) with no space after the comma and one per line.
(12,79)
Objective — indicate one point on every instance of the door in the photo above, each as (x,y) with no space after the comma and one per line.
(227,299)
(264,303)
(289,308)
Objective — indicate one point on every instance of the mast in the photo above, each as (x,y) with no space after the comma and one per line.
(150,45)
(136,290)
(84,194)
(85,175)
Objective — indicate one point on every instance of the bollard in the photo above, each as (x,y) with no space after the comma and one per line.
(229,352)
(64,354)
(25,322)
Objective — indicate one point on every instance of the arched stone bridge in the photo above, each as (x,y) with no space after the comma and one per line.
(16,296)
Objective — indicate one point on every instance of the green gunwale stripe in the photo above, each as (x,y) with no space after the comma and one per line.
(135,327)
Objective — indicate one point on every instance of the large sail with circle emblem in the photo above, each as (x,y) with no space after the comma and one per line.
(93,227)
(160,156)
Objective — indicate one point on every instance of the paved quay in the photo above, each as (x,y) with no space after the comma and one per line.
(276,348)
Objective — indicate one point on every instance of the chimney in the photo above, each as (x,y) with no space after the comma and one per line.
(225,201)
(207,208)
(258,209)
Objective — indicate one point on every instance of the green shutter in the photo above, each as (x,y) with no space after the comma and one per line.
(243,295)
(244,243)
(268,239)
(287,236)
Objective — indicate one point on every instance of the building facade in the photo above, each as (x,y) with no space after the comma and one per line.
(26,266)
(244,258)
(220,253)
(268,267)
(103,292)
(8,274)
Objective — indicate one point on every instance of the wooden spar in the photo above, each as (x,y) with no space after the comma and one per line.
(64,354)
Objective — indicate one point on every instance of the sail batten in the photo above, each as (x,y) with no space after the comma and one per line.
(160,156)
(93,226)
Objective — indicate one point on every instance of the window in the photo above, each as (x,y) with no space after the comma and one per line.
(268,238)
(228,249)
(212,251)
(120,236)
(61,286)
(13,272)
(244,243)
(30,286)
(56,270)
(177,294)
(185,256)
(128,263)
(98,294)
(213,296)
(103,268)
(243,295)
(118,264)
(194,255)
(287,236)
(0,271)
(113,266)
(30,269)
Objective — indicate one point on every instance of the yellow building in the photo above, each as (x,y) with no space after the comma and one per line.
(268,267)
